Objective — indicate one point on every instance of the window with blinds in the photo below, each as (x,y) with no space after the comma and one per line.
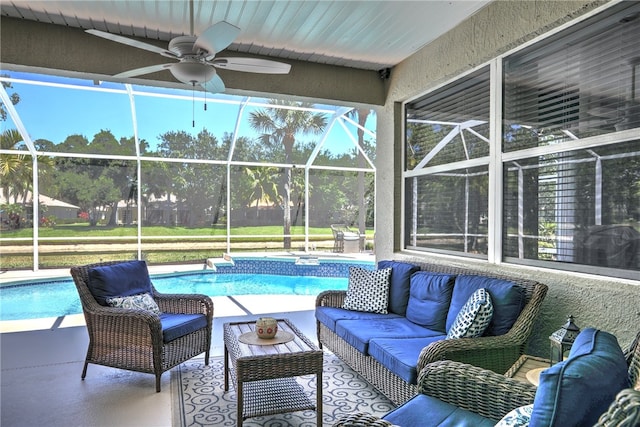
(446,173)
(575,204)
(575,207)
(447,211)
(570,154)
(450,124)
(579,83)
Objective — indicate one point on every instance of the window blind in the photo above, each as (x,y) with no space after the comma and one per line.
(579,83)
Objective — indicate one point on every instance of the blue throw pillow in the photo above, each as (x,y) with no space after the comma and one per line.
(429,298)
(119,280)
(399,284)
(507,298)
(577,391)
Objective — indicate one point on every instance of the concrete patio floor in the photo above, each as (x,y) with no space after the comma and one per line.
(42,361)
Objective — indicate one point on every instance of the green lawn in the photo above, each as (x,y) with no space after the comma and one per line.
(84,230)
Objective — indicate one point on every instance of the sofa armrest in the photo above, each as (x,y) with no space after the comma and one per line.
(475,389)
(496,353)
(333,298)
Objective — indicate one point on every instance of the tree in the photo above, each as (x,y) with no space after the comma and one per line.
(197,186)
(121,172)
(15,98)
(263,185)
(361,115)
(15,169)
(110,179)
(280,126)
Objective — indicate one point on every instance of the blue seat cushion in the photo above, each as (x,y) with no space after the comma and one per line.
(329,316)
(400,356)
(507,298)
(399,284)
(423,410)
(119,280)
(358,333)
(429,299)
(577,391)
(178,325)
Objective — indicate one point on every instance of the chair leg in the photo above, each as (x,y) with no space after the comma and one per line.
(206,358)
(158,382)
(84,370)
(86,359)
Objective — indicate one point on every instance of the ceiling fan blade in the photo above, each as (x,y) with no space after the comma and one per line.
(215,85)
(144,70)
(217,37)
(132,42)
(252,65)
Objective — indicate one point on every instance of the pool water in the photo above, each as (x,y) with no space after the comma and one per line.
(59,298)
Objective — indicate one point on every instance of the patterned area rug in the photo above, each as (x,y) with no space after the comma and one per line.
(199,399)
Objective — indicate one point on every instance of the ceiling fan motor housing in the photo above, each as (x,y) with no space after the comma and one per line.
(182,45)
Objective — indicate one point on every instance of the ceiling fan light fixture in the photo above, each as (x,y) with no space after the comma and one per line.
(193,72)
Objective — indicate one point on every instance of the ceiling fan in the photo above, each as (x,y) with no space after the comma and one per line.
(196,56)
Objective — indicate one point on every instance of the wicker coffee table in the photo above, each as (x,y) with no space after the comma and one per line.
(263,374)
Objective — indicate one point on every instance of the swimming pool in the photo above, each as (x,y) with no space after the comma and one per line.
(54,298)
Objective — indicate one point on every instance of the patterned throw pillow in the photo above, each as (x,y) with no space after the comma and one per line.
(141,301)
(519,417)
(368,290)
(474,317)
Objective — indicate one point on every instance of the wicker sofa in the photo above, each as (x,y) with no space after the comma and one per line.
(482,394)
(397,379)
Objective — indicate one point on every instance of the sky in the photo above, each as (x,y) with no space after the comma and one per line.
(53,113)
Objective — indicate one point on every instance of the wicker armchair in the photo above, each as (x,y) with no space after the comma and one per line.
(132,339)
(496,353)
(493,395)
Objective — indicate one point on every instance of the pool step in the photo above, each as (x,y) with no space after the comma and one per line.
(226,260)
(307,260)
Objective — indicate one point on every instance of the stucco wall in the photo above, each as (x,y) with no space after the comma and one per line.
(609,304)
(39,47)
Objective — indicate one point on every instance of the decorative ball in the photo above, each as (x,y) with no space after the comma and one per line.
(266,327)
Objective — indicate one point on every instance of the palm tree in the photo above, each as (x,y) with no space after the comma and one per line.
(281,126)
(15,170)
(263,186)
(361,115)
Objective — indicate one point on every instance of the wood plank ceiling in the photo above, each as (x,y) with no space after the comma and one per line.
(369,35)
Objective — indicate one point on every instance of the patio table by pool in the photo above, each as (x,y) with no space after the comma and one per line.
(263,371)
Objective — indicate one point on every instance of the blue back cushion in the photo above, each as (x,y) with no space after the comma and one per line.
(577,391)
(119,280)
(429,298)
(399,284)
(508,300)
